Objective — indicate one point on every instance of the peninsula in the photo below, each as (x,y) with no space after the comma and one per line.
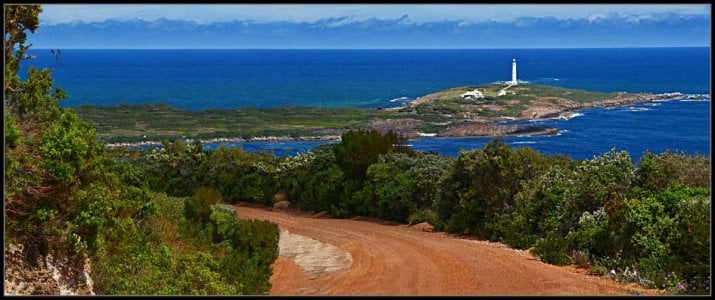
(454,112)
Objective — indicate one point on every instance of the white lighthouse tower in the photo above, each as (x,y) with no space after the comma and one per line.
(513,71)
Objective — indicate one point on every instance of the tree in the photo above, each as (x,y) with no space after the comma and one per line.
(18,18)
(65,193)
(359,149)
(482,185)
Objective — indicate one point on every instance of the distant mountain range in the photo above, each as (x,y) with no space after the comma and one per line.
(614,30)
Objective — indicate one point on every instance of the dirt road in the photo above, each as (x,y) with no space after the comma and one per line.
(390,259)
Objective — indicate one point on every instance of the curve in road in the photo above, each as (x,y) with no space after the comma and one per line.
(389,259)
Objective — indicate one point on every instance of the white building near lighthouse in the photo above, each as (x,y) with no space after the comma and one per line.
(513,71)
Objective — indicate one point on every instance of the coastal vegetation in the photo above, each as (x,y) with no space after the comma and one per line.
(157,221)
(444,113)
(516,99)
(647,221)
(130,123)
(70,201)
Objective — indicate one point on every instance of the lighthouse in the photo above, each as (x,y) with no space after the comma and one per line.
(513,71)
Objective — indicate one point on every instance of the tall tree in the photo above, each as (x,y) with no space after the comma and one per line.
(18,18)
(60,181)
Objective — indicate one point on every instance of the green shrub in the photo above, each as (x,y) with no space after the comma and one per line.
(258,238)
(198,207)
(200,274)
(692,221)
(643,231)
(659,172)
(223,225)
(597,270)
(12,133)
(161,260)
(673,196)
(552,249)
(251,188)
(359,149)
(311,180)
(253,248)
(592,234)
(392,192)
(483,184)
(692,243)
(516,230)
(69,147)
(423,215)
(580,258)
(174,168)
(647,225)
(604,178)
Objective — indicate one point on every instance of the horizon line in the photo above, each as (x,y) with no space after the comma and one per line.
(496,48)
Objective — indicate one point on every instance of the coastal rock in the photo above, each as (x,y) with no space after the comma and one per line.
(625,99)
(539,112)
(404,127)
(548,107)
(481,129)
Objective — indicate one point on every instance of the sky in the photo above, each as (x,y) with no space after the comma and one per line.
(133,26)
(203,14)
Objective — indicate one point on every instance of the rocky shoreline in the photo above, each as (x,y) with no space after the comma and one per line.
(460,130)
(548,108)
(234,140)
(490,130)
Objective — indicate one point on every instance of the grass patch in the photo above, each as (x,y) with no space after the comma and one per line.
(156,122)
(450,101)
(160,121)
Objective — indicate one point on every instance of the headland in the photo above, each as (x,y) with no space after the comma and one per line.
(447,113)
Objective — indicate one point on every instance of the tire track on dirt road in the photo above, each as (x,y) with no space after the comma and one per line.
(403,260)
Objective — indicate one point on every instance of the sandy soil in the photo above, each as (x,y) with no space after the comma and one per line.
(314,258)
(390,259)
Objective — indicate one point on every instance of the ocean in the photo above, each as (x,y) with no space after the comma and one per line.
(654,126)
(216,79)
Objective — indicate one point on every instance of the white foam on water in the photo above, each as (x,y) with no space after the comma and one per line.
(574,115)
(631,108)
(561,132)
(697,95)
(426,134)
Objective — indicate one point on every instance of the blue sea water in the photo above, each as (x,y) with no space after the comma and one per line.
(215,79)
(671,125)
(654,126)
(201,79)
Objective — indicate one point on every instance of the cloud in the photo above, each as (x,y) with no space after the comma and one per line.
(594,17)
(594,30)
(419,13)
